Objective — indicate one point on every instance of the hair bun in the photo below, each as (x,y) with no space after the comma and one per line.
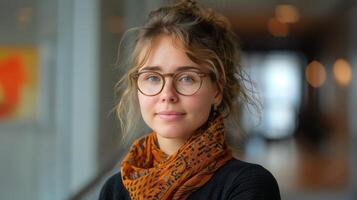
(191,3)
(188,3)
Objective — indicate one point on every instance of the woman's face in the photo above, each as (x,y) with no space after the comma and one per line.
(170,114)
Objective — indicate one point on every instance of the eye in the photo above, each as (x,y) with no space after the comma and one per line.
(150,77)
(153,78)
(188,78)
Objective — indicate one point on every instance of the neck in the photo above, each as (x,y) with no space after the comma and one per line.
(170,145)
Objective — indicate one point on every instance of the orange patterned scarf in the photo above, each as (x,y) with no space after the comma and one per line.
(148,173)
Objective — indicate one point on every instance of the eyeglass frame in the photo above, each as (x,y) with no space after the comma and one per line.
(173,75)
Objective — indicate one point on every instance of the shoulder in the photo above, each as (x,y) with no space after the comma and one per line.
(250,181)
(113,188)
(239,168)
(240,180)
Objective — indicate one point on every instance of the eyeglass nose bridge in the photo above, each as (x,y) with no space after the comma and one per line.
(172,75)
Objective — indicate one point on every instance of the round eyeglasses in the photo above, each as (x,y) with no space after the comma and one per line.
(151,83)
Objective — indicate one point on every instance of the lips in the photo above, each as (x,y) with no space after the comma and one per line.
(170,115)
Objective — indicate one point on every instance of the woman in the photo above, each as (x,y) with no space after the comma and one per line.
(185,78)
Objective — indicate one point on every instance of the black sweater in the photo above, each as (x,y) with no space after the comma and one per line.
(235,180)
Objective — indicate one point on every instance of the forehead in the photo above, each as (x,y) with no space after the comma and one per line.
(166,53)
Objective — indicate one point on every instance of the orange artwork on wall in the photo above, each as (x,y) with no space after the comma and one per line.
(18,82)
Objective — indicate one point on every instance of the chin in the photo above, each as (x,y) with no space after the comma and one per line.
(173,133)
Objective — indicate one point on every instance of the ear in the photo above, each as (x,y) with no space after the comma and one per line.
(218,97)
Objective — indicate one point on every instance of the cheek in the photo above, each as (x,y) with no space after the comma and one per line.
(146,104)
(203,109)
(142,103)
(201,105)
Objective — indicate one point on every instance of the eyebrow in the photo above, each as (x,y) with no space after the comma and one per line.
(158,68)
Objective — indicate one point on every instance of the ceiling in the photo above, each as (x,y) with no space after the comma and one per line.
(308,8)
(250,18)
(252,15)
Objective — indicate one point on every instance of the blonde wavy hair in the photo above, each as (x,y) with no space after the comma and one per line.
(207,39)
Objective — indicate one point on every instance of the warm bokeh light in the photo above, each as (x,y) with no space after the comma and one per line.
(315,74)
(277,28)
(342,72)
(287,13)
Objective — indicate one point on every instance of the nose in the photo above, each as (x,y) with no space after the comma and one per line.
(168,93)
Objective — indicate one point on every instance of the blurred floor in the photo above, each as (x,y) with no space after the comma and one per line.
(302,170)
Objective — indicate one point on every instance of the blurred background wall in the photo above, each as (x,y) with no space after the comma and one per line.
(59,136)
